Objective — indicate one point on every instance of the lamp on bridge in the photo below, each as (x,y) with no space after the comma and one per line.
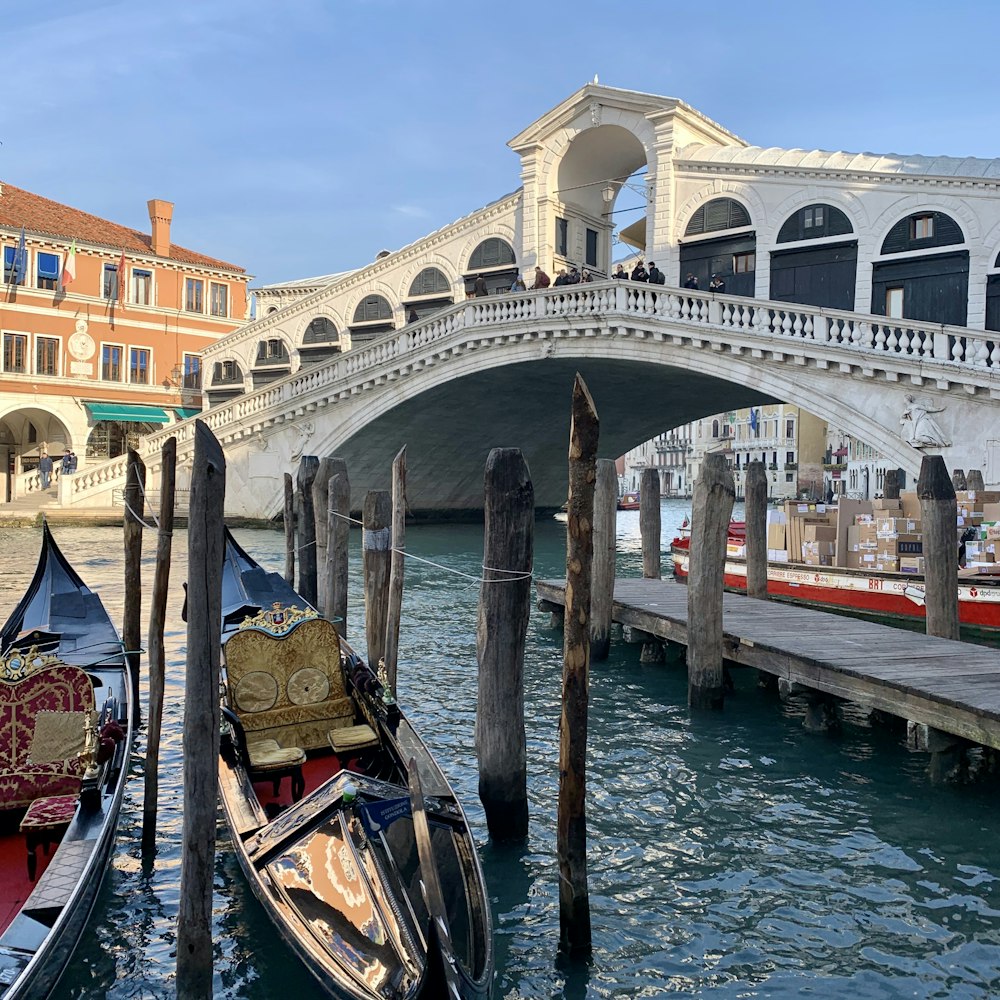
(608,194)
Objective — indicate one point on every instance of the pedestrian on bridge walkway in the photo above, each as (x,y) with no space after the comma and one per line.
(45,469)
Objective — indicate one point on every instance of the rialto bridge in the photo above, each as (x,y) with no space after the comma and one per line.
(498,371)
(864,288)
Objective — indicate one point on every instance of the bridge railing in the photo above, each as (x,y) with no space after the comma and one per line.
(971,350)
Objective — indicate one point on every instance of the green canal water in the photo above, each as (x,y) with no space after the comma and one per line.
(730,855)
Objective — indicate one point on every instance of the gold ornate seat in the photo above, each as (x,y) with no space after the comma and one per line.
(286,682)
(264,759)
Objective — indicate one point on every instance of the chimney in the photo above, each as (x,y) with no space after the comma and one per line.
(160,214)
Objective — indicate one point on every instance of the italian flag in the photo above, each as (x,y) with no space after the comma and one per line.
(69,268)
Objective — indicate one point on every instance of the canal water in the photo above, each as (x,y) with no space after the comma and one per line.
(731,854)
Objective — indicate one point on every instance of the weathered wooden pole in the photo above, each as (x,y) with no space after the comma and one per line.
(756,530)
(376,544)
(711,509)
(958,480)
(574,898)
(504,609)
(308,467)
(890,488)
(135,505)
(939,518)
(974,480)
(602,593)
(396,566)
(649,523)
(338,538)
(157,657)
(201,716)
(321,508)
(289,530)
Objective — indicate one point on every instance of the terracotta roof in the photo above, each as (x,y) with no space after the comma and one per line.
(41,215)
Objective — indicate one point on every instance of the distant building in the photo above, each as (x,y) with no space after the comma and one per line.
(91,363)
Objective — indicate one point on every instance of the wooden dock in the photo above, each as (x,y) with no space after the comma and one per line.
(950,686)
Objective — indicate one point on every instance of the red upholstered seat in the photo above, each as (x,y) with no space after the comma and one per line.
(52,689)
(44,822)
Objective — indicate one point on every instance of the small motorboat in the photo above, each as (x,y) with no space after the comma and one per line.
(65,737)
(628,501)
(346,828)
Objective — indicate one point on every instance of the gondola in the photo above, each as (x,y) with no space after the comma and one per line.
(344,825)
(65,736)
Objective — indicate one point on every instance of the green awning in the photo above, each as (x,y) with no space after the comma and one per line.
(185,412)
(127,413)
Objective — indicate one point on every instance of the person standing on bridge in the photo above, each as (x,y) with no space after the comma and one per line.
(716,284)
(45,469)
(639,272)
(542,280)
(480,287)
(619,272)
(691,281)
(656,276)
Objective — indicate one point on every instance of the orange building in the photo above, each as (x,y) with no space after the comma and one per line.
(102,329)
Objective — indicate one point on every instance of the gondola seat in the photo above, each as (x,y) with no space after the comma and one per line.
(289,688)
(265,760)
(42,731)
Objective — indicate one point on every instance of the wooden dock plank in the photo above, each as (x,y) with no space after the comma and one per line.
(950,685)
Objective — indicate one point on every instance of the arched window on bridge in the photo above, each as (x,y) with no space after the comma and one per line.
(373,316)
(931,287)
(732,257)
(272,362)
(494,259)
(227,382)
(822,275)
(429,292)
(320,342)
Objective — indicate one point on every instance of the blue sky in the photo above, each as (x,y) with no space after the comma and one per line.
(301,137)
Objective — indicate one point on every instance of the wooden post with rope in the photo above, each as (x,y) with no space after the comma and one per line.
(502,625)
(574,897)
(289,530)
(338,539)
(308,467)
(396,566)
(602,593)
(206,548)
(135,503)
(376,549)
(157,656)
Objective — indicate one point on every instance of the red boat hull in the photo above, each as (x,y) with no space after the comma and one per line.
(893,595)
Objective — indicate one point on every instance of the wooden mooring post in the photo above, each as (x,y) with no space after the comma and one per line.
(974,480)
(574,896)
(649,523)
(338,539)
(890,487)
(135,505)
(756,530)
(602,592)
(157,656)
(958,479)
(376,544)
(289,530)
(504,610)
(206,547)
(938,517)
(321,506)
(711,510)
(397,564)
(308,467)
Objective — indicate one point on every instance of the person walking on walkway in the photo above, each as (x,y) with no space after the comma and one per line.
(542,280)
(45,469)
(480,287)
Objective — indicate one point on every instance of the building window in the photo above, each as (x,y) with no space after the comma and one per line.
(226,371)
(46,356)
(789,477)
(142,287)
(562,237)
(744,263)
(138,366)
(271,350)
(109,284)
(15,353)
(194,291)
(789,456)
(192,371)
(812,216)
(111,362)
(789,429)
(493,252)
(47,265)
(921,227)
(9,271)
(220,299)
(591,257)
(894,303)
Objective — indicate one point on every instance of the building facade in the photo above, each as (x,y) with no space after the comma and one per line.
(103,328)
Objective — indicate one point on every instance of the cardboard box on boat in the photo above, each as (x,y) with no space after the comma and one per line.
(911,564)
(853,540)
(819,532)
(991,511)
(881,503)
(816,553)
(777,555)
(910,503)
(776,535)
(897,545)
(889,526)
(848,511)
(887,565)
